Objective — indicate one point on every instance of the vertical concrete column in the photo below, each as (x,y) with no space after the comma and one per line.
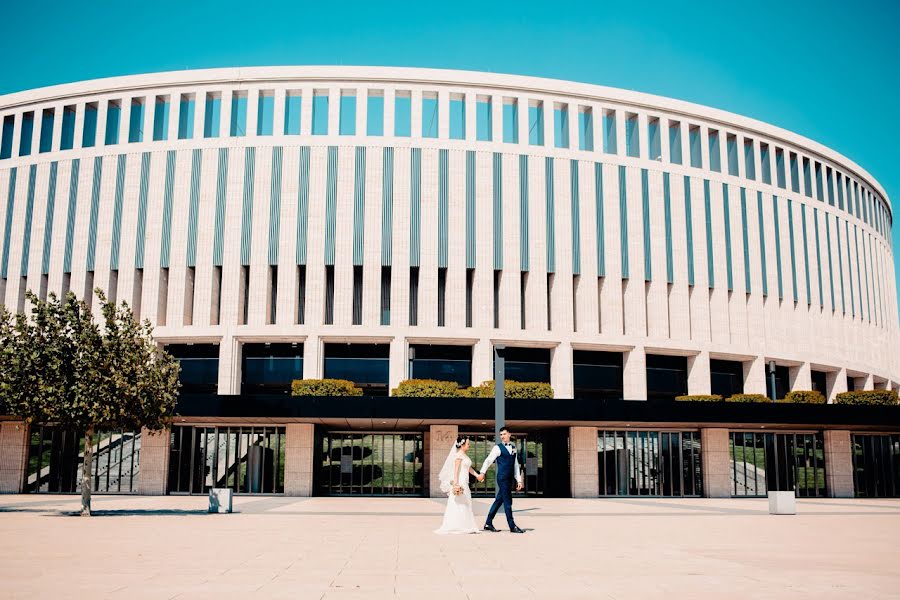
(835,382)
(634,374)
(868,382)
(229,366)
(561,371)
(584,470)
(312,358)
(801,377)
(482,362)
(399,362)
(838,464)
(299,452)
(715,461)
(755,375)
(154,475)
(438,442)
(13,456)
(698,373)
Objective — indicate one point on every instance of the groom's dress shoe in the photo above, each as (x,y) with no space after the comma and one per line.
(516,530)
(491,528)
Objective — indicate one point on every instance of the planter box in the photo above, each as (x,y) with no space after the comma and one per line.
(220,500)
(782,503)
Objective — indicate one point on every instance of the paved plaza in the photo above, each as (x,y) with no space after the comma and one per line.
(341,548)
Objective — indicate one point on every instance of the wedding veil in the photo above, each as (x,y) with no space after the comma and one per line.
(446,474)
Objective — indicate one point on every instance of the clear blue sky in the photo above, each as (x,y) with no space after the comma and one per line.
(828,70)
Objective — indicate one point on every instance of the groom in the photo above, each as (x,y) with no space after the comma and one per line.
(507,469)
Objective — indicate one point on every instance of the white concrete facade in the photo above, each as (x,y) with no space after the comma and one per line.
(812,289)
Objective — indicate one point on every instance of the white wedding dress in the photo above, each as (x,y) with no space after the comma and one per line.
(458,516)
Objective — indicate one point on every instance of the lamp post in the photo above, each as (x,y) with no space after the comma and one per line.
(772,379)
(499,392)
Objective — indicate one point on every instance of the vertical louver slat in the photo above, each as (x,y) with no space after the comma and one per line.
(359,207)
(710,265)
(726,206)
(762,244)
(576,219)
(140,237)
(623,222)
(524,250)
(303,205)
(48,221)
(29,212)
(443,208)
(600,217)
(645,209)
(117,213)
(331,204)
(667,214)
(70,216)
(221,190)
(551,215)
(194,209)
(497,173)
(689,229)
(95,211)
(275,204)
(247,208)
(168,196)
(387,207)
(415,206)
(470,209)
(7,229)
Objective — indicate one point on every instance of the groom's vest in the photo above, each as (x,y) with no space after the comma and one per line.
(506,465)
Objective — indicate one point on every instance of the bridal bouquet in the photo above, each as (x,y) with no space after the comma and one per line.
(457,490)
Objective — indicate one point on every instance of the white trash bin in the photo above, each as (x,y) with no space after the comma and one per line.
(782,503)
(220,500)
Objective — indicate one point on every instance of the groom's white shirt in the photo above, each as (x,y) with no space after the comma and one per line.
(495,454)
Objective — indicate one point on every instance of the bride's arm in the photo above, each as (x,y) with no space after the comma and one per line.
(456,471)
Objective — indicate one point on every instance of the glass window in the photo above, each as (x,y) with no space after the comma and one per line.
(675,142)
(666,377)
(654,144)
(26,134)
(238,114)
(694,146)
(609,132)
(265,113)
(270,368)
(510,120)
(429,115)
(366,365)
(186,117)
(292,113)
(403,114)
(67,138)
(199,367)
(829,185)
(6,145)
(807,177)
(715,153)
(819,187)
(795,173)
(161,119)
(457,117)
(765,164)
(536,123)
(212,117)
(632,136)
(46,141)
(113,116)
(732,152)
(749,160)
(779,168)
(89,132)
(597,375)
(726,377)
(347,116)
(484,119)
(375,113)
(586,128)
(561,125)
(443,363)
(136,124)
(527,364)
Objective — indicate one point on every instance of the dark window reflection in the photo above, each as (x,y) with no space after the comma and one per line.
(726,377)
(527,364)
(597,374)
(199,367)
(666,377)
(782,381)
(443,363)
(366,365)
(820,382)
(270,368)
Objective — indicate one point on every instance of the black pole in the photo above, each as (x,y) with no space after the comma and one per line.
(772,379)
(499,391)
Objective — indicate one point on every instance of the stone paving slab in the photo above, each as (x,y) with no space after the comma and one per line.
(343,548)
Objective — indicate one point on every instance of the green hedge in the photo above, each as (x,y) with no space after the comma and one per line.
(748,398)
(803,397)
(879,397)
(427,388)
(699,398)
(324,387)
(512,389)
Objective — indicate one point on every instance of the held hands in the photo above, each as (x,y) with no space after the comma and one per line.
(519,486)
(480,477)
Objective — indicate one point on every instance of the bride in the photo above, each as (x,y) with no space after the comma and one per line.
(458,517)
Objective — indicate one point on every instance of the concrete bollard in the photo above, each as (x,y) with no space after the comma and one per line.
(782,503)
(220,500)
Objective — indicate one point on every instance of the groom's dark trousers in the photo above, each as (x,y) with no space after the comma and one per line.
(504,498)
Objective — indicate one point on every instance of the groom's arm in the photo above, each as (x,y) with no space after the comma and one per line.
(518,473)
(491,457)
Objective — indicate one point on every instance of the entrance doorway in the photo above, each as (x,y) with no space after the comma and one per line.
(352,463)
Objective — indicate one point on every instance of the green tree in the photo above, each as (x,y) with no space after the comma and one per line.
(59,366)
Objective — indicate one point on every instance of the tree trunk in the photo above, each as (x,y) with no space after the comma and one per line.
(86,478)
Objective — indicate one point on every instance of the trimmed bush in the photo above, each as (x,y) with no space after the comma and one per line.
(513,389)
(699,398)
(804,397)
(324,387)
(748,398)
(876,397)
(427,388)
